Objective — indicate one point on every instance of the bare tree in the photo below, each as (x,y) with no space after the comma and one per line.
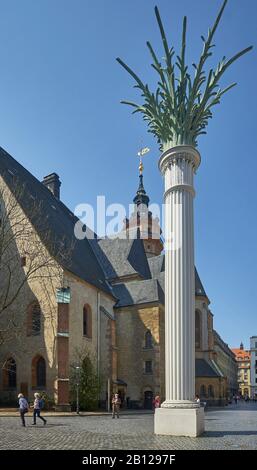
(27,257)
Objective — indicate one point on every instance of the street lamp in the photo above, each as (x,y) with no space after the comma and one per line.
(77,385)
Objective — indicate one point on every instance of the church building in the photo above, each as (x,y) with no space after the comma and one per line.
(63,295)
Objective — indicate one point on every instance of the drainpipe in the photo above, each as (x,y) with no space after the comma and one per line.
(98,333)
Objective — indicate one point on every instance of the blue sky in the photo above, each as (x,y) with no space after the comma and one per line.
(60,89)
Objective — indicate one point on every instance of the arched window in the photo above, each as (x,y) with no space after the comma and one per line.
(210,391)
(202,391)
(34,319)
(38,372)
(198,332)
(9,373)
(148,340)
(87,321)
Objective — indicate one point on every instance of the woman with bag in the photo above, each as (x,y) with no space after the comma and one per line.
(24,408)
(37,408)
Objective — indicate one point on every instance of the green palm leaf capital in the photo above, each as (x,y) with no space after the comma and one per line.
(181,107)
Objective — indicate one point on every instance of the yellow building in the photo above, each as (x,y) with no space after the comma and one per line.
(243,358)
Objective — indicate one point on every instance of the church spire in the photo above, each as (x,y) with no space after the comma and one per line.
(141,224)
(141,196)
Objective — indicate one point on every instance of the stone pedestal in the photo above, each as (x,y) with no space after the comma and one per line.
(179,421)
(179,414)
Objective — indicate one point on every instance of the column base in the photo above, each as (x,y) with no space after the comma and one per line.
(179,421)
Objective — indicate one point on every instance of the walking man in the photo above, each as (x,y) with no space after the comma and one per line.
(115,405)
(37,409)
(24,408)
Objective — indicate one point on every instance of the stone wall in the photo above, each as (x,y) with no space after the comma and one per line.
(101,346)
(39,287)
(132,323)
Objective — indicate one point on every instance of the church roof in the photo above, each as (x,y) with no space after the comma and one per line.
(97,261)
(157,268)
(54,223)
(122,258)
(199,289)
(135,293)
(204,368)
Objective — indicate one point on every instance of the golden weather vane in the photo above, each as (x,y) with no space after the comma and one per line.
(143,151)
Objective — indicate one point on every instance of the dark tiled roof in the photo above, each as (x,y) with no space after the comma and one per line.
(122,257)
(205,368)
(199,289)
(135,293)
(91,259)
(157,268)
(54,223)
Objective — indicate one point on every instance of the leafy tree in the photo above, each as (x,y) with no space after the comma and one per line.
(88,382)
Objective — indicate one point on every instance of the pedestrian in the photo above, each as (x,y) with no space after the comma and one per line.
(24,408)
(157,402)
(37,408)
(116,405)
(235,399)
(197,399)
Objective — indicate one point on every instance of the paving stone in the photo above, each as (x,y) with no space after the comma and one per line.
(233,427)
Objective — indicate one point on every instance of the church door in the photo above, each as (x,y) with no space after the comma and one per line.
(148,402)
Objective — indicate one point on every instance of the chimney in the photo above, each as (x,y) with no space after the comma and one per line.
(53,183)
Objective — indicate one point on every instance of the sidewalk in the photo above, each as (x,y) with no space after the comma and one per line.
(15,412)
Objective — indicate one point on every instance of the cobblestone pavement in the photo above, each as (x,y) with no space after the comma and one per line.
(232,427)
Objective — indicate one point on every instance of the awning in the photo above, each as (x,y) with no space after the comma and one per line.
(119,382)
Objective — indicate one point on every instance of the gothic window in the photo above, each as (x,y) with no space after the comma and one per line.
(38,372)
(87,321)
(202,391)
(148,367)
(34,319)
(210,391)
(41,372)
(148,340)
(198,332)
(9,374)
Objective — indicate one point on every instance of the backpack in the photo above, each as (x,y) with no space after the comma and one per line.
(41,403)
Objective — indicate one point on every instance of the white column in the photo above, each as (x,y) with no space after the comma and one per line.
(178,165)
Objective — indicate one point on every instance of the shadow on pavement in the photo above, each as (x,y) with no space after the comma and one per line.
(50,425)
(228,433)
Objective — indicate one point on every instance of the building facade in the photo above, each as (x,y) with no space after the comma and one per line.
(102,296)
(226,361)
(253,372)
(244,368)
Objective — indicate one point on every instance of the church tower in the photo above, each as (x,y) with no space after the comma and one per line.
(141,223)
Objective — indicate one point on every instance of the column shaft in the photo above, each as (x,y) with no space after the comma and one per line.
(178,165)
